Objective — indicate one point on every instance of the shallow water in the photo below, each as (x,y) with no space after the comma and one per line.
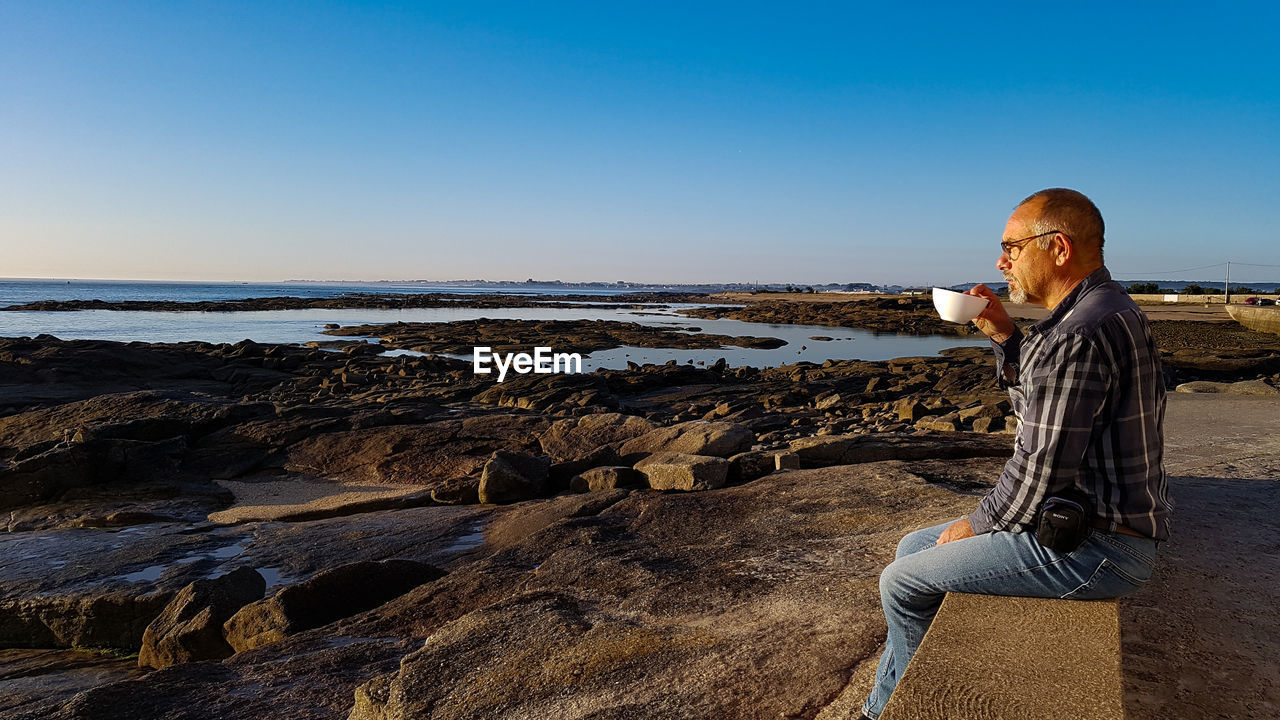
(300,326)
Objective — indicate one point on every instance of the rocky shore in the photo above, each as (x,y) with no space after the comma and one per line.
(910,315)
(199,530)
(583,336)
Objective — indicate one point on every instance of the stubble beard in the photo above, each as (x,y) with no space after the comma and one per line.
(1016,293)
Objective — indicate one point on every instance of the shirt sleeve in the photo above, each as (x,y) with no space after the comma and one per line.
(1008,356)
(1065,392)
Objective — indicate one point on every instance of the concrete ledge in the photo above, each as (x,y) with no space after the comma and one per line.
(1006,658)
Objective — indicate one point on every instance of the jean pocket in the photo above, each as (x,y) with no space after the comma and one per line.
(1141,549)
(1108,581)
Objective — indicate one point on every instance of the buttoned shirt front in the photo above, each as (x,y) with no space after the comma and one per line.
(1088,391)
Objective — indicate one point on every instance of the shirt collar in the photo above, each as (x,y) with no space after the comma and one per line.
(1092,280)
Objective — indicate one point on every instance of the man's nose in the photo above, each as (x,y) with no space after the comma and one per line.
(1003,262)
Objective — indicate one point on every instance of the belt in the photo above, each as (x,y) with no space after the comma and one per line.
(1116,528)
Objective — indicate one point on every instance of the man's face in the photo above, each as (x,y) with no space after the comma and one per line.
(1026,274)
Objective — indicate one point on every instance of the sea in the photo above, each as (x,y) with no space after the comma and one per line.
(302,326)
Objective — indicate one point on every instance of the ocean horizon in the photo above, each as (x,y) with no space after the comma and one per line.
(18,291)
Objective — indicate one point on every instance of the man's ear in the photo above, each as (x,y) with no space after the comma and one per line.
(1064,251)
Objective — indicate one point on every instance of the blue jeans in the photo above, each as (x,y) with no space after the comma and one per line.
(1106,565)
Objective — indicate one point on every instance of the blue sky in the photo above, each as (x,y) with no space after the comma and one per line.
(680,142)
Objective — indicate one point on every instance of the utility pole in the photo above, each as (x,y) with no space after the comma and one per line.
(1226,290)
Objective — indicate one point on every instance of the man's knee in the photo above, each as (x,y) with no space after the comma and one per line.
(891,585)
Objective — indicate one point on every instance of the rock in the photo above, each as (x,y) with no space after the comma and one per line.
(910,409)
(63,469)
(682,471)
(751,601)
(1222,367)
(1244,387)
(372,699)
(331,595)
(38,682)
(115,619)
(988,424)
(786,461)
(416,454)
(830,401)
(850,449)
(946,423)
(575,438)
(190,627)
(459,491)
(940,406)
(121,440)
(617,661)
(1253,387)
(518,523)
(747,409)
(1202,386)
(510,476)
(606,478)
(698,437)
(996,410)
(562,473)
(747,466)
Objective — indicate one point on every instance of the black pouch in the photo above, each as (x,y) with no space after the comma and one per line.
(1064,521)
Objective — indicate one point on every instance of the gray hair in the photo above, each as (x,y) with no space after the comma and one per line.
(1069,212)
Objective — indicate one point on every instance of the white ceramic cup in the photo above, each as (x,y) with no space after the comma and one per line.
(957,307)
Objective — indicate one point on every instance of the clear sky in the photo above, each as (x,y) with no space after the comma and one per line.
(662,142)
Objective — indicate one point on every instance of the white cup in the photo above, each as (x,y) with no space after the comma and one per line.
(957,307)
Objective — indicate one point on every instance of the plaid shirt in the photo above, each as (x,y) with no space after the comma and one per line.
(1088,392)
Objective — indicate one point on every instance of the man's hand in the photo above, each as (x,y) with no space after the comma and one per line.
(957,530)
(994,322)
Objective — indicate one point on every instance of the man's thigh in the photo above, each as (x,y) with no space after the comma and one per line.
(914,542)
(997,563)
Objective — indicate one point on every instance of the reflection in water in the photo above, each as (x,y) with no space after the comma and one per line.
(149,574)
(274,577)
(473,538)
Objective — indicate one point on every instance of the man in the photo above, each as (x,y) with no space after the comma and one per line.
(1087,388)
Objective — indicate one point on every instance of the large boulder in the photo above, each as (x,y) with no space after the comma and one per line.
(332,595)
(511,476)
(681,471)
(190,628)
(697,437)
(576,438)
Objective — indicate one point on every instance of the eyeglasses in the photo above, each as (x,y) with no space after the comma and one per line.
(1013,248)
